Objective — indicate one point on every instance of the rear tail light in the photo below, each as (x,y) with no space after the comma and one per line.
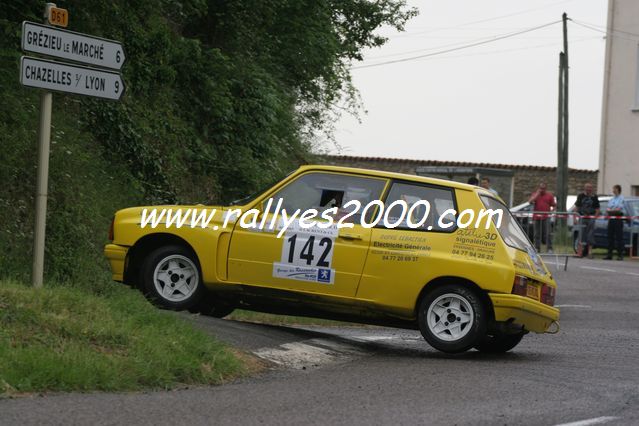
(519,286)
(111,236)
(548,295)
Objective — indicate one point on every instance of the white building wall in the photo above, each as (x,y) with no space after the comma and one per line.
(619,147)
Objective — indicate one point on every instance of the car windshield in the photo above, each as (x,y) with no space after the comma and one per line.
(510,230)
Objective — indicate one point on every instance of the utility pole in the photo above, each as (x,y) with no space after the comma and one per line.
(565,156)
(562,125)
(560,134)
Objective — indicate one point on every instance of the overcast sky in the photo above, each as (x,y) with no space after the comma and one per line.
(493,103)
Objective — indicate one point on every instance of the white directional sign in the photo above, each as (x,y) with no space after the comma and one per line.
(73,46)
(50,75)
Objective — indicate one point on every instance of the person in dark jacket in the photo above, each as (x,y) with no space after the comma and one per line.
(615,224)
(587,205)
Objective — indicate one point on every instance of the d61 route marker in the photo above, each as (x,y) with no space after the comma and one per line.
(58,16)
(50,75)
(77,47)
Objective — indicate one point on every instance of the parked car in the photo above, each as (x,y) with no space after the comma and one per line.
(630,226)
(461,287)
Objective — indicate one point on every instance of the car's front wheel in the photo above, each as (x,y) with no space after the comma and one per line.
(452,318)
(172,278)
(499,342)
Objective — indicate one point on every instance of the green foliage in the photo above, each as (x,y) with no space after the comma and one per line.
(223,97)
(69,339)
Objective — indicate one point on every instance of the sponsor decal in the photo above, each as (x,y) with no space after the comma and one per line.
(304,273)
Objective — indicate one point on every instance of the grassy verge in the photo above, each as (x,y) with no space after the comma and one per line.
(264,318)
(69,339)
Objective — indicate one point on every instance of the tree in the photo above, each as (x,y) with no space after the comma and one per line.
(223,97)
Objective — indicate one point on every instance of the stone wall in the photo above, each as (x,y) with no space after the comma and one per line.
(526,181)
(526,178)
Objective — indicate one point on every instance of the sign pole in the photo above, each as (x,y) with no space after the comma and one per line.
(95,81)
(44,139)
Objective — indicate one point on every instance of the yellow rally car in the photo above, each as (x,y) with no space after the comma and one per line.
(377,248)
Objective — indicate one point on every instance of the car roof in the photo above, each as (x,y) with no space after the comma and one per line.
(394,175)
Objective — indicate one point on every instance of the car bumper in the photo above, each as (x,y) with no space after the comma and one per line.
(532,315)
(116,255)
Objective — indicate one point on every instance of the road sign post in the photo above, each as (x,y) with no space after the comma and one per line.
(67,78)
(44,140)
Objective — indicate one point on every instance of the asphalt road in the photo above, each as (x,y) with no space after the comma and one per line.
(588,373)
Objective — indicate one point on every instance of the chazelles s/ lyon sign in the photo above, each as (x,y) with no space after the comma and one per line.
(61,77)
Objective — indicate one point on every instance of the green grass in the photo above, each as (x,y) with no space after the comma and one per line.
(264,318)
(69,339)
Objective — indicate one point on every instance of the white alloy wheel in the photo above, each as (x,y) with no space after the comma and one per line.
(450,317)
(175,278)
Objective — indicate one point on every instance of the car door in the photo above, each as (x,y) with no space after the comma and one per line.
(321,259)
(402,258)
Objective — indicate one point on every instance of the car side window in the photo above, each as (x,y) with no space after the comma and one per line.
(322,191)
(425,204)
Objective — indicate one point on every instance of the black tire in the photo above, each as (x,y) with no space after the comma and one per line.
(470,317)
(212,306)
(173,264)
(219,311)
(499,342)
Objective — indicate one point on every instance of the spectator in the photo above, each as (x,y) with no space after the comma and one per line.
(587,204)
(485,183)
(615,224)
(473,181)
(542,201)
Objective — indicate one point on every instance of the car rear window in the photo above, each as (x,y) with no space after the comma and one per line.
(510,230)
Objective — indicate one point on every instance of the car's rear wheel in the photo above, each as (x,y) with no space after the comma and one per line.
(452,318)
(172,278)
(499,342)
